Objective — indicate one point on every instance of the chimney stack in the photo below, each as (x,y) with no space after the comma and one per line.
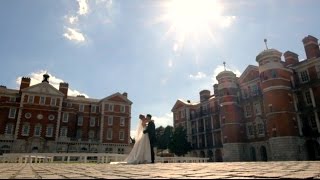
(25,82)
(291,58)
(311,47)
(125,94)
(63,87)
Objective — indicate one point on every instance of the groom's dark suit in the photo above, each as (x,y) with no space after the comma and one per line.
(151,130)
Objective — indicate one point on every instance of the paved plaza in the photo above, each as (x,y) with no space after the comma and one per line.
(238,170)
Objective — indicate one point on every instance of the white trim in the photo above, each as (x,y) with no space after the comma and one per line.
(44,101)
(53,101)
(35,130)
(121,132)
(92,121)
(276,88)
(80,123)
(110,120)
(30,99)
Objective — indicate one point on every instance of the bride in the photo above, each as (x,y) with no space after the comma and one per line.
(140,152)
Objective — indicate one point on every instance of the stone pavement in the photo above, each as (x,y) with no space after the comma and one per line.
(238,170)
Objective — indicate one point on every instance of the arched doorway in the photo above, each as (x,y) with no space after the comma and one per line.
(263,153)
(313,150)
(35,149)
(210,155)
(218,155)
(253,154)
(202,154)
(195,154)
(4,149)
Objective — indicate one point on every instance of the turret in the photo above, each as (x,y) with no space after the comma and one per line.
(278,104)
(231,116)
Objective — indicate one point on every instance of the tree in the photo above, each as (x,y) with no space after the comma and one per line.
(179,144)
(163,136)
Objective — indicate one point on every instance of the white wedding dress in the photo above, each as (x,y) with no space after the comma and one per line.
(141,152)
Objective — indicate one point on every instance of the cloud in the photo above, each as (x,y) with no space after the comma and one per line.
(199,75)
(37,77)
(164,120)
(220,68)
(74,35)
(227,21)
(73,19)
(83,7)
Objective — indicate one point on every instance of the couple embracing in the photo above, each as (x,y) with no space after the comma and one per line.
(142,151)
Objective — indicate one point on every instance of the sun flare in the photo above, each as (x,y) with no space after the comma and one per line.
(192,19)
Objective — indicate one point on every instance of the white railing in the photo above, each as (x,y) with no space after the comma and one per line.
(86,158)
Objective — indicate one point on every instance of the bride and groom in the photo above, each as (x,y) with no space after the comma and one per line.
(142,151)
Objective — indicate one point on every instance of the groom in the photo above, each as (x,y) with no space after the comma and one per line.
(151,130)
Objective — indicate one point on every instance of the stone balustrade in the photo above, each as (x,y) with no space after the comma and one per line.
(85,158)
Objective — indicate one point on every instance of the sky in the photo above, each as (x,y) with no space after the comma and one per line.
(157,51)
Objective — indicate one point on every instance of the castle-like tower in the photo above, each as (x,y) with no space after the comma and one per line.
(232,129)
(281,126)
(271,112)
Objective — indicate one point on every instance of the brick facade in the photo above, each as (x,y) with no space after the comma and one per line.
(41,118)
(270,112)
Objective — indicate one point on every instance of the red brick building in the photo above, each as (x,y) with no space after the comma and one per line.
(41,118)
(270,112)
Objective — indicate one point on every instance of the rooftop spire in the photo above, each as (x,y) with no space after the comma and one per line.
(265,42)
(45,78)
(224,64)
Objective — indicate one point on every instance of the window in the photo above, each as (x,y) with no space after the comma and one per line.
(121,135)
(91,134)
(122,109)
(69,104)
(250,130)
(93,109)
(79,134)
(304,76)
(81,107)
(92,121)
(110,107)
(109,134)
(120,150)
(109,150)
(270,108)
(53,101)
(65,117)
(9,129)
(30,99)
(260,129)
(63,131)
(49,130)
(175,116)
(110,120)
(273,73)
(313,122)
(25,129)
(12,113)
(27,115)
(51,117)
(318,71)
(122,121)
(257,108)
(42,100)
(248,110)
(182,112)
(80,121)
(308,97)
(37,130)
(12,99)
(254,89)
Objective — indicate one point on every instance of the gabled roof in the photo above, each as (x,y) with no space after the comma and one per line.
(43,88)
(245,76)
(117,97)
(179,103)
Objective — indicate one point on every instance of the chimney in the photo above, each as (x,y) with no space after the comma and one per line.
(311,47)
(25,82)
(291,58)
(45,78)
(63,87)
(125,94)
(204,95)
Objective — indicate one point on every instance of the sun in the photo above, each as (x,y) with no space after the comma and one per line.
(194,19)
